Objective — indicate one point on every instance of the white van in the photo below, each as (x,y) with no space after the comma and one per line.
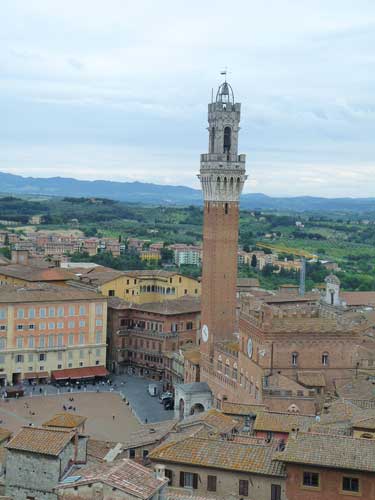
(153,389)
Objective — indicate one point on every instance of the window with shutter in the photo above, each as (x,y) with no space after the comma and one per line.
(275,492)
(195,481)
(169,476)
(243,487)
(182,479)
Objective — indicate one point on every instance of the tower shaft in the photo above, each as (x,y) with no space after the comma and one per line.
(222,176)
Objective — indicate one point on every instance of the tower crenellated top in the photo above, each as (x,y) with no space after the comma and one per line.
(222,172)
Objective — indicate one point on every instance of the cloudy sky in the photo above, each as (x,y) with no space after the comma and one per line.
(118,90)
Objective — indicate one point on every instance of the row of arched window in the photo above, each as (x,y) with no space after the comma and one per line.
(158,289)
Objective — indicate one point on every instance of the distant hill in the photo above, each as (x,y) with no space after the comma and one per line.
(141,192)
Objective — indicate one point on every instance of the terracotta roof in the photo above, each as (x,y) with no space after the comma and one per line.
(181,305)
(242,409)
(358,298)
(41,440)
(311,379)
(65,420)
(339,452)
(118,303)
(125,475)
(280,381)
(97,450)
(150,433)
(289,297)
(282,422)
(101,277)
(214,419)
(341,412)
(44,292)
(356,389)
(343,430)
(247,282)
(4,261)
(220,454)
(29,273)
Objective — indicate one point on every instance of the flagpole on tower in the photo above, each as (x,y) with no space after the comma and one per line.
(224,72)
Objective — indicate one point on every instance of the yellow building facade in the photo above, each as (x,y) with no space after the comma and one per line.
(46,328)
(156,286)
(142,286)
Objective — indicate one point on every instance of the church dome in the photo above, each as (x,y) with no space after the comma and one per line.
(225,93)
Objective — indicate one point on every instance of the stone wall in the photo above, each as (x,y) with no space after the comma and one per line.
(228,482)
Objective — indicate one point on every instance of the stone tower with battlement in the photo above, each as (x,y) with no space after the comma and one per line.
(222,176)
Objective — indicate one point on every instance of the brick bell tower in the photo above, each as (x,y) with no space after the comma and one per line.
(222,176)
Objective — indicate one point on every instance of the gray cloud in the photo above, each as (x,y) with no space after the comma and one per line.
(82,82)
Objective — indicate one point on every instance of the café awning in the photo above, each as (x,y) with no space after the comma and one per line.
(80,373)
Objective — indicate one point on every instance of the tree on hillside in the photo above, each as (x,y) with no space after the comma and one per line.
(166,255)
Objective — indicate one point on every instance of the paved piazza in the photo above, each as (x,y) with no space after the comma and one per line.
(98,407)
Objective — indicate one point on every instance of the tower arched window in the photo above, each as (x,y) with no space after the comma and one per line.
(325,359)
(227,139)
(294,358)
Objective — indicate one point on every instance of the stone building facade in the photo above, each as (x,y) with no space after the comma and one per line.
(219,467)
(38,458)
(328,467)
(147,337)
(289,351)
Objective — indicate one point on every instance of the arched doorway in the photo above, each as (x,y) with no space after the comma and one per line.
(197,408)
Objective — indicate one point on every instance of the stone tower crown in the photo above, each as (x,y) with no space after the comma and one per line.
(222,172)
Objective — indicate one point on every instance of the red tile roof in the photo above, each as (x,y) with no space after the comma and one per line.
(29,273)
(359,298)
(125,475)
(41,440)
(65,420)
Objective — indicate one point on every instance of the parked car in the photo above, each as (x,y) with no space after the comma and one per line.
(165,395)
(169,404)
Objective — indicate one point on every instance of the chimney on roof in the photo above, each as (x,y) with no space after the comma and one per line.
(160,471)
(293,433)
